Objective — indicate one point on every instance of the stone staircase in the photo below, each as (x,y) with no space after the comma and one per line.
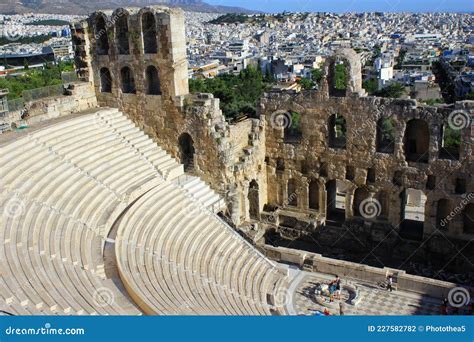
(201,192)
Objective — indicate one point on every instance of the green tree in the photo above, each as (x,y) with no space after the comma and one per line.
(306,83)
(340,77)
(452,138)
(238,94)
(317,75)
(370,86)
(31,79)
(394,90)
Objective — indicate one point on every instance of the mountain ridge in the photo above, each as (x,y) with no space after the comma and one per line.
(82,7)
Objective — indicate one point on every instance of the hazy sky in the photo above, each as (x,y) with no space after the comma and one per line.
(351,5)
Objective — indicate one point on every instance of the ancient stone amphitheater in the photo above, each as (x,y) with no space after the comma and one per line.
(125,195)
(68,186)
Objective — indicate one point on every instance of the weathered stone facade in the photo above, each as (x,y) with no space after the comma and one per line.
(312,158)
(319,168)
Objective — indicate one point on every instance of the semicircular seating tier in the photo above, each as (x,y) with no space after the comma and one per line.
(176,257)
(62,188)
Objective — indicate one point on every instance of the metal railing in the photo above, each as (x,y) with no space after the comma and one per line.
(16,104)
(69,77)
(39,93)
(43,92)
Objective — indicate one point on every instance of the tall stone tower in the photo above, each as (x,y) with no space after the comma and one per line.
(133,55)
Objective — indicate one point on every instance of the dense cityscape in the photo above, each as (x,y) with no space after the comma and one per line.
(173,161)
(419,51)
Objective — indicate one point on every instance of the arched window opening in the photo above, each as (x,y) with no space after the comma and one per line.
(152,80)
(417,141)
(450,143)
(338,78)
(337,131)
(385,135)
(121,35)
(254,201)
(149,33)
(128,81)
(105,81)
(186,149)
(102,40)
(292,131)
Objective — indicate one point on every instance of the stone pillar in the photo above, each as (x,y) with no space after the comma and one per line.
(244,202)
(430,214)
(349,202)
(235,205)
(323,203)
(303,195)
(395,208)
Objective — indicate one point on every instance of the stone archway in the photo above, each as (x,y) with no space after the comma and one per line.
(128,81)
(150,44)
(105,81)
(100,32)
(122,34)
(344,73)
(337,131)
(385,139)
(152,81)
(186,151)
(254,201)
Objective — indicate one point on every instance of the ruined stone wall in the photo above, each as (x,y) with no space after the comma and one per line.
(82,97)
(311,157)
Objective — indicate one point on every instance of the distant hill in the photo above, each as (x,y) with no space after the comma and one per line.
(85,7)
(235,18)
